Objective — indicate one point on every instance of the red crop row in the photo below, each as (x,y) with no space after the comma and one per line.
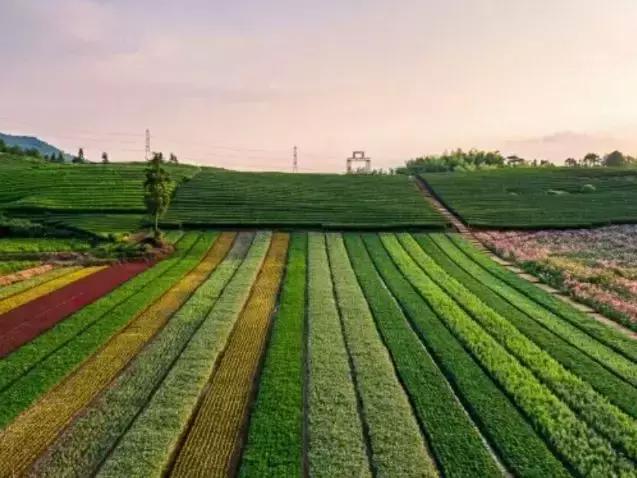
(26,322)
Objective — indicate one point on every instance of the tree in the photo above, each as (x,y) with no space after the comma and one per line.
(59,158)
(80,157)
(590,160)
(570,162)
(172,158)
(157,192)
(615,160)
(515,160)
(105,158)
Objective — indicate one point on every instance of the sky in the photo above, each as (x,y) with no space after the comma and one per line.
(238,84)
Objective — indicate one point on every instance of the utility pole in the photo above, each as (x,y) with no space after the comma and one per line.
(147,152)
(295,161)
(359,157)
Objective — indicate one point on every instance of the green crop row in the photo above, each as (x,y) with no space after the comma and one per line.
(603,380)
(397,446)
(579,395)
(581,446)
(91,437)
(9,267)
(587,344)
(36,367)
(461,452)
(607,335)
(333,416)
(275,438)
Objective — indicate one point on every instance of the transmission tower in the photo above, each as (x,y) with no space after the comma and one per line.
(359,157)
(295,161)
(147,151)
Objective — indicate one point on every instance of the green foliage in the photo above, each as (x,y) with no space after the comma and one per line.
(158,189)
(9,267)
(483,198)
(218,197)
(592,407)
(37,366)
(581,446)
(452,432)
(588,188)
(17,245)
(333,416)
(397,447)
(457,160)
(274,443)
(164,380)
(606,335)
(460,267)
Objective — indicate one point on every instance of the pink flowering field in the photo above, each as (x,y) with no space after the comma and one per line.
(595,266)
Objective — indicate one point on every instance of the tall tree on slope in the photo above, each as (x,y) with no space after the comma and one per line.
(157,192)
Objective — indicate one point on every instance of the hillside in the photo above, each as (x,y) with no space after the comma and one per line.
(539,197)
(216,197)
(31,142)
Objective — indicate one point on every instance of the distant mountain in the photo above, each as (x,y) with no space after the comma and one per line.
(31,142)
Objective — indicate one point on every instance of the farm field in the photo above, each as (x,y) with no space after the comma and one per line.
(228,198)
(261,353)
(532,198)
(597,267)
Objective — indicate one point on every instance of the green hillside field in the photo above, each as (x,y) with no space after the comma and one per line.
(539,197)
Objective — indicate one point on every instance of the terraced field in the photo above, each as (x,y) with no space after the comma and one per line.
(318,354)
(531,198)
(229,198)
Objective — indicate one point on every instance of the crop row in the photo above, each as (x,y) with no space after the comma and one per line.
(24,323)
(156,432)
(215,438)
(39,365)
(580,445)
(603,380)
(579,395)
(19,287)
(396,444)
(87,441)
(9,270)
(333,413)
(25,438)
(454,438)
(576,337)
(17,300)
(607,335)
(275,439)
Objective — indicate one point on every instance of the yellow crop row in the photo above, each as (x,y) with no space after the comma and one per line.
(216,434)
(41,290)
(29,435)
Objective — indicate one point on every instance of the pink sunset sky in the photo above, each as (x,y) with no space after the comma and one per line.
(238,83)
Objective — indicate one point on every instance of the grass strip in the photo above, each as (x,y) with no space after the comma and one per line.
(212,445)
(603,380)
(41,290)
(397,445)
(453,438)
(592,407)
(617,362)
(336,441)
(275,439)
(27,284)
(586,451)
(37,366)
(27,437)
(16,270)
(88,440)
(605,334)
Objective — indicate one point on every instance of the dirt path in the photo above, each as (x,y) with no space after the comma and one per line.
(466,232)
